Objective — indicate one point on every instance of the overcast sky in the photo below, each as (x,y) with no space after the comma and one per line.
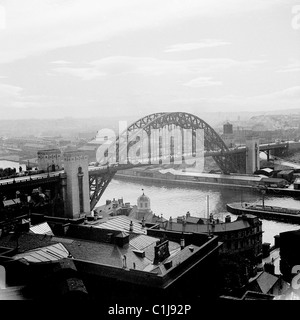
(90,58)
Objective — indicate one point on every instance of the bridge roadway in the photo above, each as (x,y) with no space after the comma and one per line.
(94,170)
(242,149)
(30,178)
(55,176)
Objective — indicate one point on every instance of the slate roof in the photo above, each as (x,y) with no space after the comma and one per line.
(143,241)
(181,255)
(45,254)
(26,241)
(265,281)
(35,247)
(98,252)
(121,223)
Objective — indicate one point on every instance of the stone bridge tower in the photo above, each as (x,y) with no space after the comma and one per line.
(49,160)
(75,185)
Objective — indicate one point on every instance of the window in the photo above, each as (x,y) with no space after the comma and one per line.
(80,187)
(145,205)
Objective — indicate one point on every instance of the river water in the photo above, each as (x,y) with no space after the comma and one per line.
(11,164)
(172,201)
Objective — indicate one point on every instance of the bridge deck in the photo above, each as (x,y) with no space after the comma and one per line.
(29,178)
(93,170)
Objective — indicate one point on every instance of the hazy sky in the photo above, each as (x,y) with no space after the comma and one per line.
(91,58)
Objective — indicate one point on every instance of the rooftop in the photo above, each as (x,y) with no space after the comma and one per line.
(265,281)
(120,223)
(36,248)
(202,228)
(137,259)
(45,254)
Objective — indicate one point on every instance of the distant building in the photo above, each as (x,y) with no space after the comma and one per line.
(227,135)
(242,244)
(113,208)
(267,172)
(142,211)
(274,182)
(286,174)
(239,236)
(91,147)
(227,128)
(297,184)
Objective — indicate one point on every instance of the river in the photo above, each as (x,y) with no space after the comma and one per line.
(174,201)
(11,164)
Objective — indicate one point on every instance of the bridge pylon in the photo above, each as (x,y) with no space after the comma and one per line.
(49,160)
(76,185)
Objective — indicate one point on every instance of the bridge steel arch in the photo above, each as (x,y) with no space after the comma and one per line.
(212,142)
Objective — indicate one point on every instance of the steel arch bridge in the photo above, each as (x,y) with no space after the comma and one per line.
(116,155)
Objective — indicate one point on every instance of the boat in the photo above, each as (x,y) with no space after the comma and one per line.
(288,215)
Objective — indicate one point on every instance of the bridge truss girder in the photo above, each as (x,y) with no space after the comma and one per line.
(212,141)
(98,184)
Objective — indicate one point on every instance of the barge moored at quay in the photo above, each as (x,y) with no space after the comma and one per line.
(288,215)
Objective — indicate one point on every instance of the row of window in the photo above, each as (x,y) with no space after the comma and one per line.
(145,205)
(240,234)
(235,245)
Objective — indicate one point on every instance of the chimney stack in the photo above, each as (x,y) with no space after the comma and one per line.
(131,226)
(182,242)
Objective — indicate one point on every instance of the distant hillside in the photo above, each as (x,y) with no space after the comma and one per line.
(73,126)
(268,122)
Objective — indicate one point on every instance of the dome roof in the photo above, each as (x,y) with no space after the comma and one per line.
(143,198)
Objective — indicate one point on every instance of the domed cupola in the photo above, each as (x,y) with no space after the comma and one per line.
(143,203)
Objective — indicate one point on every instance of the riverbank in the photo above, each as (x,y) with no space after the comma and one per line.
(234,182)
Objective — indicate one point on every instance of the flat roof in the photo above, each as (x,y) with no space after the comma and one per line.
(203,228)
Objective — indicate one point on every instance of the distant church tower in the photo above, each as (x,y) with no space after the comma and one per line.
(50,160)
(77,199)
